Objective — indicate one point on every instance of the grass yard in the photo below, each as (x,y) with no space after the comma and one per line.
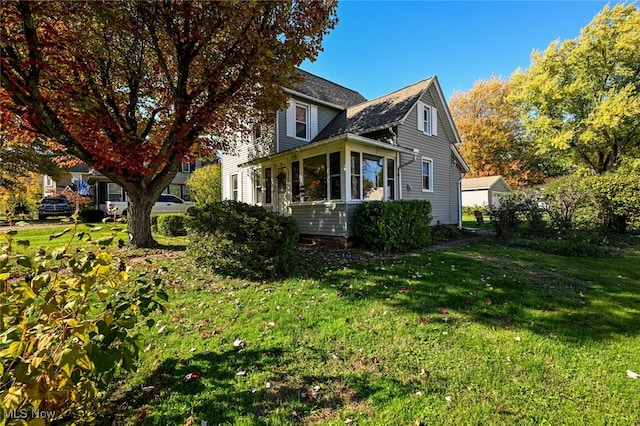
(482,334)
(475,335)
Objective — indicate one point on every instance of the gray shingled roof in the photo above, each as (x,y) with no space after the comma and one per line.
(327,91)
(385,111)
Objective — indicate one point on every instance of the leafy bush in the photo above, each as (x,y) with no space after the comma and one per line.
(563,199)
(237,239)
(91,215)
(507,214)
(68,325)
(394,226)
(171,225)
(205,184)
(617,196)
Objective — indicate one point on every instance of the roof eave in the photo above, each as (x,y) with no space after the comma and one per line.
(346,136)
(315,100)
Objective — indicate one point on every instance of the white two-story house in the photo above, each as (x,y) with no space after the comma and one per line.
(331,150)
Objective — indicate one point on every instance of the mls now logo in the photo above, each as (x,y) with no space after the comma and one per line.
(26,413)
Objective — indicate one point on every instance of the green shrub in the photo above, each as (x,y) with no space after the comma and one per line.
(91,215)
(171,225)
(564,198)
(205,184)
(69,323)
(394,226)
(154,222)
(617,196)
(241,240)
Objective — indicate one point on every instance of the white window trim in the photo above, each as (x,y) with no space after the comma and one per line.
(385,168)
(48,181)
(186,166)
(430,161)
(433,115)
(311,117)
(231,190)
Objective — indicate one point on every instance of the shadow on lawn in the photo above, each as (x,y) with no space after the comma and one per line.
(215,398)
(508,290)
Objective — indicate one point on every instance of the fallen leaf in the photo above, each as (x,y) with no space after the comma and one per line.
(444,312)
(191,420)
(142,415)
(448,398)
(422,319)
(633,375)
(191,377)
(148,388)
(489,302)
(517,338)
(374,360)
(241,373)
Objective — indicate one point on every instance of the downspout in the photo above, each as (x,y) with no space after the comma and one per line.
(460,201)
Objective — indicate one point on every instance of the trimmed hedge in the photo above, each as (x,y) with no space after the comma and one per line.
(91,215)
(171,225)
(240,240)
(394,226)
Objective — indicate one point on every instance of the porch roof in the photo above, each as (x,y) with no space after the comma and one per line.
(345,136)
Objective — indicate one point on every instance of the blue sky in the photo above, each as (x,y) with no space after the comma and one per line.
(381,46)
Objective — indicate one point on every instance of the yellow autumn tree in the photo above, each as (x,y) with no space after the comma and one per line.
(493,141)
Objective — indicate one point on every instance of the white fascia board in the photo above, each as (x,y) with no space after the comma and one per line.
(346,137)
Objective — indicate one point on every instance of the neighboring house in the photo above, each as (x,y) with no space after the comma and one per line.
(483,191)
(331,150)
(103,190)
(68,182)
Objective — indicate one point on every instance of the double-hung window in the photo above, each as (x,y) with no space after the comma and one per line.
(257,184)
(235,187)
(268,182)
(302,121)
(427,119)
(427,175)
(114,192)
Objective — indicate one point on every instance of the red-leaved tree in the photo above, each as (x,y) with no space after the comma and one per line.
(132,87)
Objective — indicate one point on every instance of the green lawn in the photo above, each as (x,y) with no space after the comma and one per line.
(478,335)
(482,334)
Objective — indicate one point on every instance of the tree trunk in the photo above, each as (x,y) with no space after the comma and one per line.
(139,218)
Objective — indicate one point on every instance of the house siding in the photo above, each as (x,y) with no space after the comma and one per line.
(325,115)
(438,149)
(325,218)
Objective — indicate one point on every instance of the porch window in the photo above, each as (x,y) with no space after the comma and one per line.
(427,175)
(391,179)
(315,178)
(295,181)
(335,166)
(257,185)
(267,185)
(373,177)
(235,187)
(355,176)
(114,192)
(186,165)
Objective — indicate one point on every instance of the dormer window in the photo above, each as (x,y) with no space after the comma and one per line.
(427,119)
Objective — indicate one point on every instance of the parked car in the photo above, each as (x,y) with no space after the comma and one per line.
(166,203)
(54,206)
